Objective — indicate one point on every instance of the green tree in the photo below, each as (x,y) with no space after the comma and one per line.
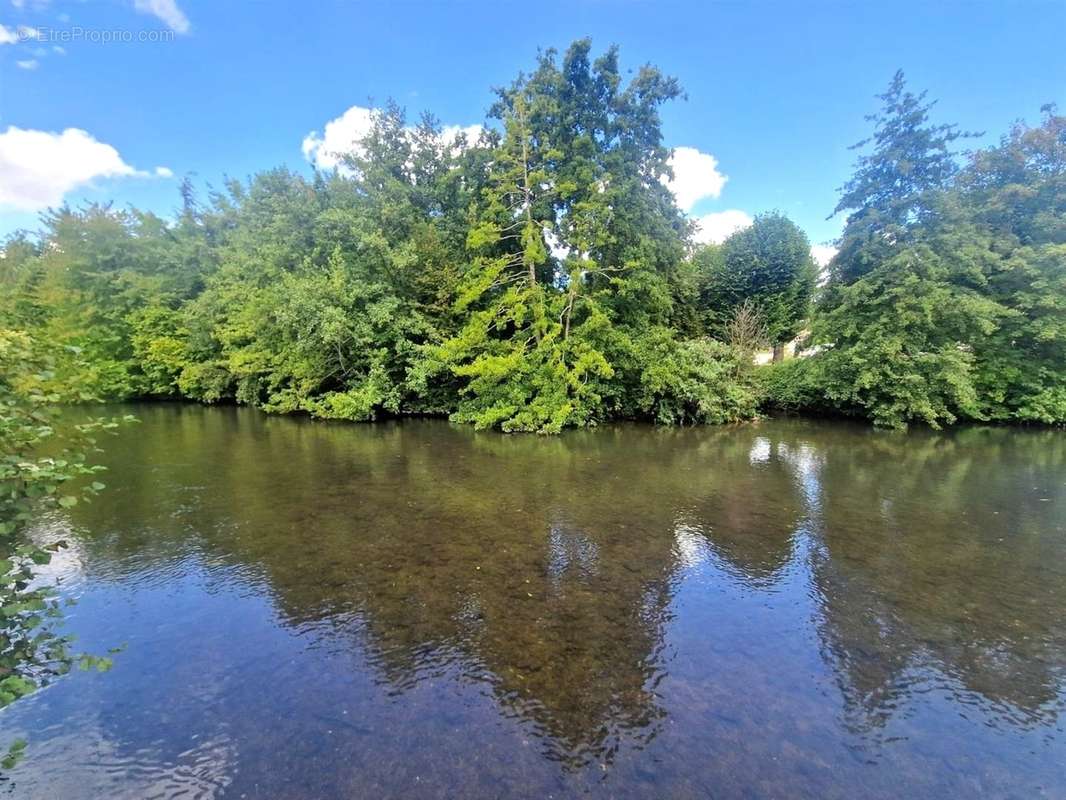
(895,185)
(522,370)
(579,168)
(328,290)
(767,265)
(906,309)
(900,338)
(81,286)
(1013,198)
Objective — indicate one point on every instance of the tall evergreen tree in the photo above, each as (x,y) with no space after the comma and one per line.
(903,306)
(895,184)
(575,239)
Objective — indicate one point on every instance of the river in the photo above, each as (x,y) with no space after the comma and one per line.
(790,608)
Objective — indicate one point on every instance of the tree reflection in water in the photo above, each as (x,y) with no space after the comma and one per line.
(565,577)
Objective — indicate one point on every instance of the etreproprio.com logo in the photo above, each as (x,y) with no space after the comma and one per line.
(76,33)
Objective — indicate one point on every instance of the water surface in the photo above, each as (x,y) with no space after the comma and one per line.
(785,609)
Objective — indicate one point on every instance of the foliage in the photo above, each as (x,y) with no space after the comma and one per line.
(40,467)
(693,381)
(575,246)
(540,276)
(796,386)
(946,300)
(899,337)
(767,265)
(1013,197)
(895,185)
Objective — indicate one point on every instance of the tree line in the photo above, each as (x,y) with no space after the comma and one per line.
(542,276)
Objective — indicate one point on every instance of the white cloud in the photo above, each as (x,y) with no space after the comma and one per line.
(7,36)
(822,254)
(165,10)
(340,136)
(344,135)
(472,132)
(29,63)
(716,227)
(37,168)
(164,172)
(696,176)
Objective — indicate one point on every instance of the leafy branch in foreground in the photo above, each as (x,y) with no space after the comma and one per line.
(41,467)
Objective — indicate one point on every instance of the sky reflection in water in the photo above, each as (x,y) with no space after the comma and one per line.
(407,610)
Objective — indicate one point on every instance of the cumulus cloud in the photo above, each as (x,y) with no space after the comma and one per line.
(7,36)
(37,168)
(164,172)
(343,136)
(340,136)
(696,176)
(716,227)
(29,63)
(472,132)
(167,11)
(823,254)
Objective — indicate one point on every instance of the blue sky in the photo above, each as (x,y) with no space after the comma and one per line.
(776,91)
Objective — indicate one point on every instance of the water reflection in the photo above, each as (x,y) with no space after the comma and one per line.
(727,611)
(960,567)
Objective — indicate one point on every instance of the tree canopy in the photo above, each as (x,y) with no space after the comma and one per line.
(946,300)
(767,265)
(541,276)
